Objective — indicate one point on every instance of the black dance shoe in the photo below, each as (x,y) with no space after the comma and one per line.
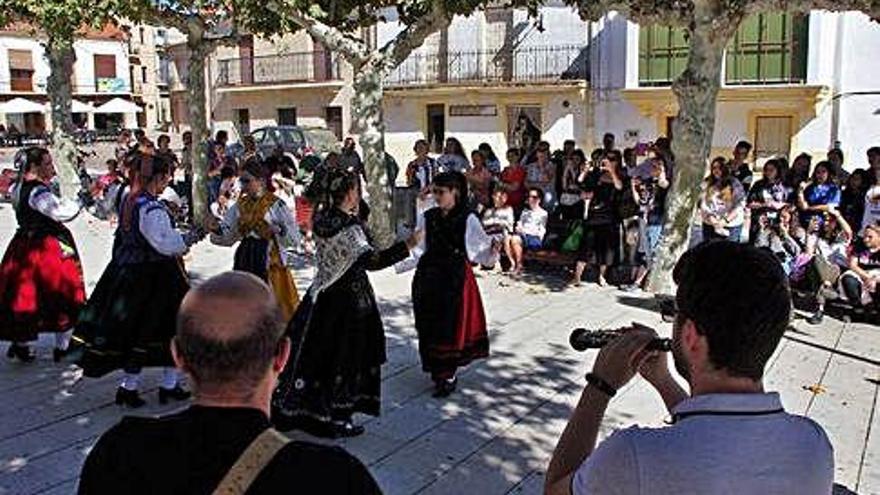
(444,388)
(345,429)
(21,352)
(176,393)
(129,398)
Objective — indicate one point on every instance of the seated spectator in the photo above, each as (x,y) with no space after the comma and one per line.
(105,189)
(107,179)
(230,340)
(575,165)
(479,179)
(768,196)
(530,230)
(740,168)
(513,177)
(872,208)
(861,283)
(728,435)
(874,165)
(723,204)
(775,233)
(498,220)
(453,158)
(492,161)
(825,256)
(818,196)
(838,172)
(541,174)
(852,197)
(799,171)
(603,192)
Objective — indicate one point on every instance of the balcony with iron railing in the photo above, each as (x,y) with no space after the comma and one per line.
(545,64)
(292,68)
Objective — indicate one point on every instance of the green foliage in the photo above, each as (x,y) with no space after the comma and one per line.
(59,19)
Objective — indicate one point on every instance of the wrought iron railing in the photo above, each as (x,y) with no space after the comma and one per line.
(529,64)
(282,68)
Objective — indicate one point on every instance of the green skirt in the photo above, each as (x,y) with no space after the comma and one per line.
(130,319)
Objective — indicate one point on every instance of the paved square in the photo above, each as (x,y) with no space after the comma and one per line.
(496,434)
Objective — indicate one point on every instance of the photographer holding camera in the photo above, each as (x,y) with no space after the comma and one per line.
(776,233)
(728,436)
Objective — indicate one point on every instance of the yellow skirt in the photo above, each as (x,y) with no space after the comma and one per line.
(282,284)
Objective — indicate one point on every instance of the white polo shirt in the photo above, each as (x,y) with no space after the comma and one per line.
(719,444)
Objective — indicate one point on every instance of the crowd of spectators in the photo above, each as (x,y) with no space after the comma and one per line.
(604,209)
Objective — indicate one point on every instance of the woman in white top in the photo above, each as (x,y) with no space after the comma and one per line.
(448,309)
(41,280)
(453,158)
(130,318)
(266,233)
(724,203)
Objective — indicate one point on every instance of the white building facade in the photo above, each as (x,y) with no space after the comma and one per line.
(101,73)
(474,80)
(791,83)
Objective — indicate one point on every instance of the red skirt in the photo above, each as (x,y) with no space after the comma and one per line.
(303,213)
(41,287)
(449,315)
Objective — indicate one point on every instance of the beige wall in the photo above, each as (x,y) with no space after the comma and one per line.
(563,115)
(263,105)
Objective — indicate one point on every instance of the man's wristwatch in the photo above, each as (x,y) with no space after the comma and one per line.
(600,384)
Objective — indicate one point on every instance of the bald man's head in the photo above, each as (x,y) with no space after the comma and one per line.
(228,330)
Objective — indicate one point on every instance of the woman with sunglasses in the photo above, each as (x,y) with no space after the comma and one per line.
(337,332)
(450,320)
(267,234)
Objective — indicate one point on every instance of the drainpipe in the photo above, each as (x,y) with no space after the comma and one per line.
(836,90)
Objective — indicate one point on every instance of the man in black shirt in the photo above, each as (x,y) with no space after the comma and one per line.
(230,341)
(740,167)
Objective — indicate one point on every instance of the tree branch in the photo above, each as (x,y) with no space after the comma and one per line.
(674,13)
(397,50)
(352,49)
(868,7)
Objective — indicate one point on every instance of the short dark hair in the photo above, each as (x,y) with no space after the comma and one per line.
(874,151)
(835,151)
(244,359)
(33,157)
(744,145)
(738,297)
(537,190)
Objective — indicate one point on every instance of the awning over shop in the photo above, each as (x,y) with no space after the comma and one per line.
(77,106)
(22,105)
(118,105)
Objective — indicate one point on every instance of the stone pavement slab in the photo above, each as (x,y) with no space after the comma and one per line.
(495,435)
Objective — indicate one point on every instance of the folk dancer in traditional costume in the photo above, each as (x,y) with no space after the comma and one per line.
(449,315)
(337,332)
(41,279)
(130,319)
(267,234)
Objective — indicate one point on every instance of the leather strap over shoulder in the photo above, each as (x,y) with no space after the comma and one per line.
(251,463)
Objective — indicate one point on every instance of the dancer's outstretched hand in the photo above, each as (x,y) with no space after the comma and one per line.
(415,239)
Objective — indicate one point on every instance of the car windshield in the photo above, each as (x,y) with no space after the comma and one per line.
(322,140)
(289,138)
